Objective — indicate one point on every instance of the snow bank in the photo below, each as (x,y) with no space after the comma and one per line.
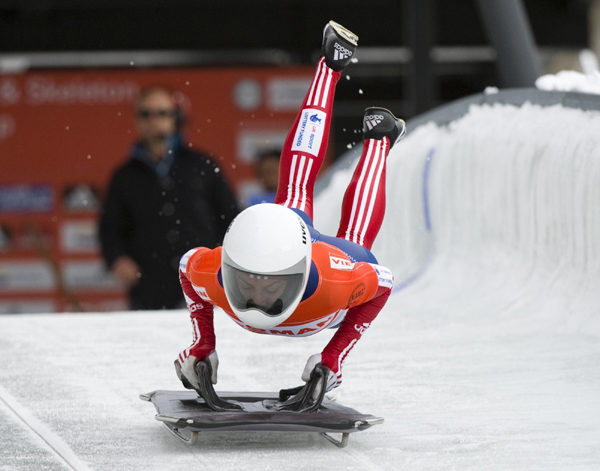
(570,81)
(498,212)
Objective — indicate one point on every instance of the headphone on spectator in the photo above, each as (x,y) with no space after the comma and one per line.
(179,100)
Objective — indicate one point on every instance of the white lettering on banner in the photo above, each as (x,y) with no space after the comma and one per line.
(10,93)
(43,91)
(287,93)
(309,134)
(340,263)
(79,236)
(26,197)
(202,292)
(21,306)
(88,275)
(25,276)
(253,142)
(247,94)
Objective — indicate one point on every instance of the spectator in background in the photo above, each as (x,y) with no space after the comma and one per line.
(267,172)
(165,199)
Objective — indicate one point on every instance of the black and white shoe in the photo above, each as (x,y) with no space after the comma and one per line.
(380,122)
(339,45)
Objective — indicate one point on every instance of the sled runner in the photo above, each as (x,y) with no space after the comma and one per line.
(258,411)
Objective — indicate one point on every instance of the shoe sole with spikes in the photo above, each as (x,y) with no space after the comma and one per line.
(339,45)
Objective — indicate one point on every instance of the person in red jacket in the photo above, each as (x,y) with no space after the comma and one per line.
(275,273)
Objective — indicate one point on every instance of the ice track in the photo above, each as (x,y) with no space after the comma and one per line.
(487,357)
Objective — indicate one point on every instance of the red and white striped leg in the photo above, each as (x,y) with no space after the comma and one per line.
(306,144)
(363,206)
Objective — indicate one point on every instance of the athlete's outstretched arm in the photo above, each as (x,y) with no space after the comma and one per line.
(357,320)
(203,331)
(201,316)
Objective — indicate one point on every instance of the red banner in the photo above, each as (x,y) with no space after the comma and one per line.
(62,134)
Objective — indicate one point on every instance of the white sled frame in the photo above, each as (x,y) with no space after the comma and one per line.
(193,438)
(169,423)
(343,443)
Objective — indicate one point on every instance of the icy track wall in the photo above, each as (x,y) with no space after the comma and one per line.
(497,212)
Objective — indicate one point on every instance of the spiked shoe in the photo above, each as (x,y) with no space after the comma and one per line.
(380,122)
(339,45)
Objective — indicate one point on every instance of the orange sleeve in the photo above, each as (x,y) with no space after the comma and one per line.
(194,269)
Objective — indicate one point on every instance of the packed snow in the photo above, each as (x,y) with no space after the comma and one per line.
(486,357)
(587,81)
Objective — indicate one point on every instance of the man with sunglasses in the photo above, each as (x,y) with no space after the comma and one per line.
(165,199)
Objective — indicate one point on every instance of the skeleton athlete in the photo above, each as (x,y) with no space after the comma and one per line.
(275,273)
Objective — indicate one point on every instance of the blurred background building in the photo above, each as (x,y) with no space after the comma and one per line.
(70,71)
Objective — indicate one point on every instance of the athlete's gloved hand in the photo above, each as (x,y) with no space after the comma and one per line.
(334,378)
(187,372)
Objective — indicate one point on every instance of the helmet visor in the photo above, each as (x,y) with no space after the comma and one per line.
(272,294)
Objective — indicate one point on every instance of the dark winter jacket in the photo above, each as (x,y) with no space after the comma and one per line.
(155,215)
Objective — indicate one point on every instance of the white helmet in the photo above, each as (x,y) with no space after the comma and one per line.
(265,263)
